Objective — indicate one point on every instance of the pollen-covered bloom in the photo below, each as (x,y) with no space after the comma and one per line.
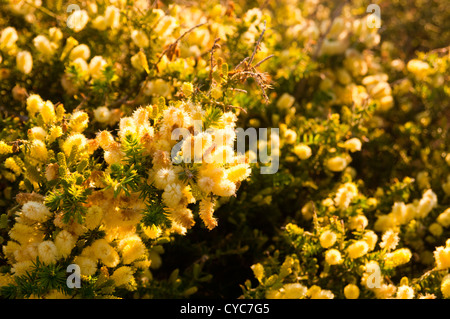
(337,163)
(285,101)
(24,62)
(65,242)
(8,37)
(445,286)
(345,195)
(36,211)
(442,257)
(333,257)
(327,238)
(353,144)
(123,276)
(44,46)
(302,151)
(97,66)
(48,252)
(399,257)
(405,292)
(351,291)
(357,249)
(78,20)
(389,240)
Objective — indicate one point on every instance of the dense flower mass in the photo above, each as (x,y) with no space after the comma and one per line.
(120,154)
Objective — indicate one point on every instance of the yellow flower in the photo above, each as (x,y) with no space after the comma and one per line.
(78,20)
(93,217)
(333,257)
(357,249)
(112,17)
(336,164)
(131,248)
(358,222)
(445,286)
(48,112)
(99,23)
(293,291)
(96,67)
(351,291)
(345,195)
(181,215)
(78,140)
(152,232)
(187,88)
(36,211)
(172,194)
(399,257)
(285,101)
(390,240)
(37,132)
(55,34)
(5,148)
(353,144)
(47,252)
(224,188)
(38,150)
(34,104)
(426,203)
(327,239)
(123,276)
(436,229)
(107,254)
(315,292)
(82,68)
(302,151)
(65,241)
(54,133)
(419,68)
(80,51)
(8,37)
(11,164)
(24,62)
(405,292)
(290,136)
(78,121)
(44,46)
(371,239)
(87,265)
(442,257)
(238,173)
(206,213)
(102,114)
(139,38)
(443,218)
(258,271)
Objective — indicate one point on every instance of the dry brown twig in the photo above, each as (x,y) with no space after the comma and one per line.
(245,69)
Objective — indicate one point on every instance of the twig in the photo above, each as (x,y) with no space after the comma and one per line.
(257,44)
(215,46)
(174,44)
(42,9)
(263,60)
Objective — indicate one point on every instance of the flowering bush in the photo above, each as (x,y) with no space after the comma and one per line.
(118,150)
